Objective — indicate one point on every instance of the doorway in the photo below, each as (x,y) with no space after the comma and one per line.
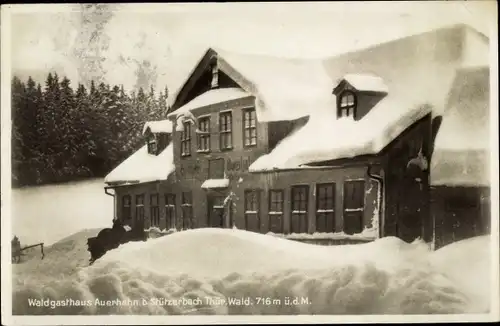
(216,210)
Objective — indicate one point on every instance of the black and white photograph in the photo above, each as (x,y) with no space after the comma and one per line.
(204,163)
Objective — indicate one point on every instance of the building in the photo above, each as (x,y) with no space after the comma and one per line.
(460,178)
(339,147)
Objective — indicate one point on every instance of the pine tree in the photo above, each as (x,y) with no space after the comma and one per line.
(18,105)
(59,134)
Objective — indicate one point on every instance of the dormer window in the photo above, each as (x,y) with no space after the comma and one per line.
(215,75)
(346,104)
(358,94)
(152,145)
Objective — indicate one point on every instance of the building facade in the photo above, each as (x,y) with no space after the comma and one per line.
(341,146)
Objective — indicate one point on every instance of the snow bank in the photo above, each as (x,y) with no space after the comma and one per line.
(324,137)
(205,271)
(62,259)
(215,183)
(365,82)
(468,263)
(366,234)
(164,126)
(144,167)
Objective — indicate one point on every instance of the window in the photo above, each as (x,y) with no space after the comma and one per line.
(139,208)
(346,104)
(186,139)
(187,210)
(204,134)
(215,76)
(252,206)
(127,209)
(299,209)
(152,145)
(249,128)
(325,203)
(225,128)
(216,168)
(276,211)
(354,198)
(170,211)
(154,210)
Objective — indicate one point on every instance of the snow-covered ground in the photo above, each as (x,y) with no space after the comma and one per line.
(52,212)
(206,271)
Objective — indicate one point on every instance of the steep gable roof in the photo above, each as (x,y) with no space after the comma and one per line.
(284,89)
(420,73)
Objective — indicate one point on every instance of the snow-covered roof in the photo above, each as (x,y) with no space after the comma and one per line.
(162,126)
(287,89)
(462,147)
(210,97)
(284,88)
(143,167)
(366,82)
(324,137)
(215,183)
(417,81)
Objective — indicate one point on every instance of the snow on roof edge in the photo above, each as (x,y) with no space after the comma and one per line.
(215,183)
(142,167)
(158,126)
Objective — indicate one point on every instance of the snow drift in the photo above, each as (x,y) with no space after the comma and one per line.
(229,271)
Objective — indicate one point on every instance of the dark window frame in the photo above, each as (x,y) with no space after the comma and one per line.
(152,145)
(254,211)
(126,207)
(216,173)
(347,109)
(186,139)
(204,135)
(154,210)
(226,131)
(354,208)
(273,214)
(249,117)
(170,211)
(300,213)
(139,207)
(325,207)
(187,210)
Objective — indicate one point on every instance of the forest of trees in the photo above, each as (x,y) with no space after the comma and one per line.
(62,134)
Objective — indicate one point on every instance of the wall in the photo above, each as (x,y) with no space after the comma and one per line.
(241,181)
(146,189)
(284,180)
(460,213)
(407,196)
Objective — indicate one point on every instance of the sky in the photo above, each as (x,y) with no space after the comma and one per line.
(166,40)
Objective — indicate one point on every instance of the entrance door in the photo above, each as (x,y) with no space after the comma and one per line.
(215,211)
(409,206)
